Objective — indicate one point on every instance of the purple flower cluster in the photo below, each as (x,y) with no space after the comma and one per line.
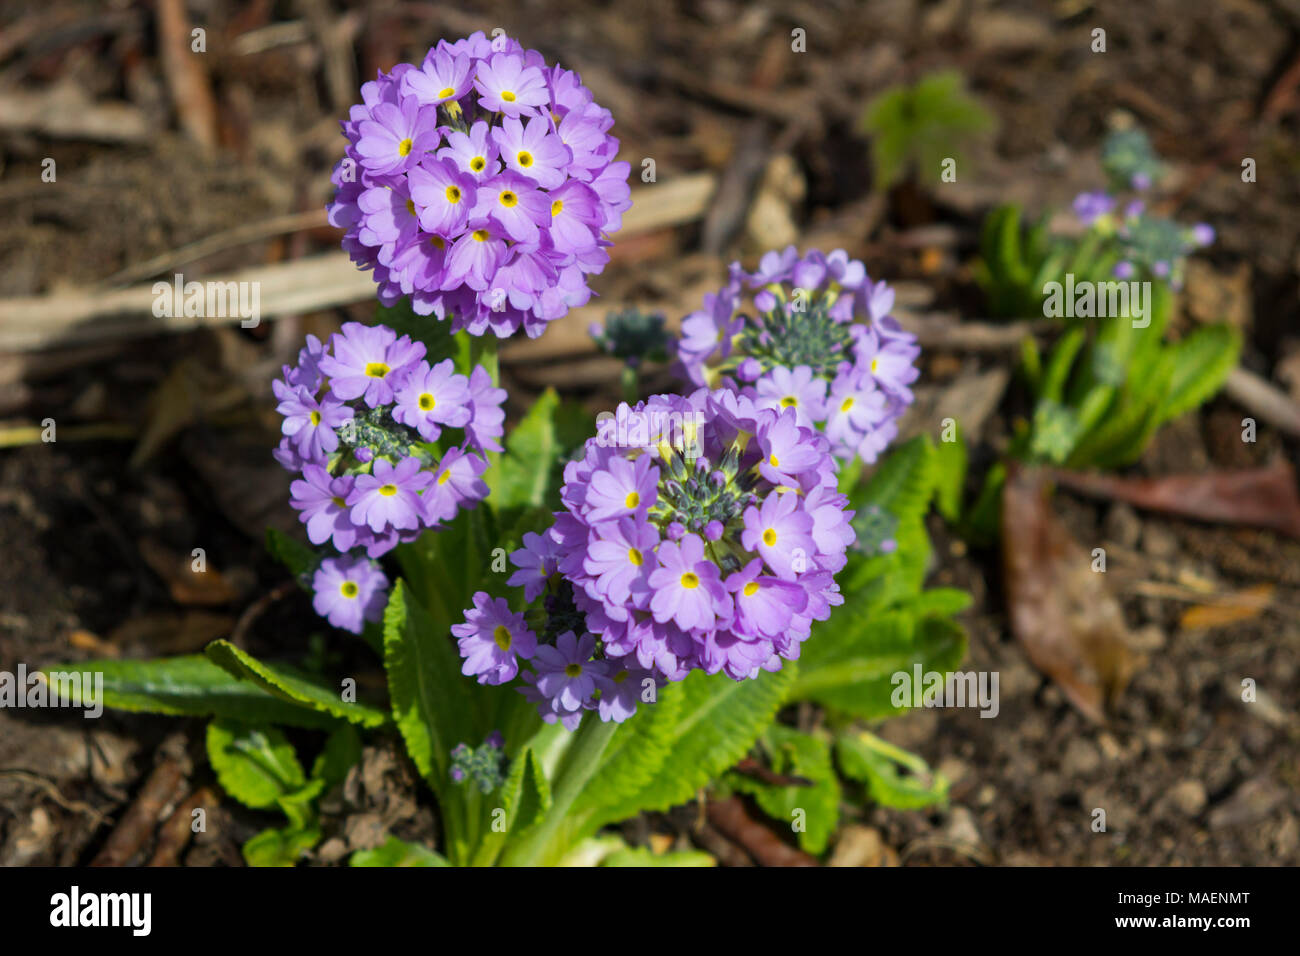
(1145,243)
(365,426)
(482,184)
(699,532)
(802,348)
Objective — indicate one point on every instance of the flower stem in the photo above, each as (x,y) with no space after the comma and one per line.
(631,386)
(577,766)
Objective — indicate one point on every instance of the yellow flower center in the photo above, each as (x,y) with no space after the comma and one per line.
(620,676)
(508,198)
(524,158)
(478,164)
(480,235)
(769,537)
(410,206)
(444,477)
(634,556)
(445,92)
(426,402)
(437,241)
(573,670)
(750,589)
(847,404)
(501,635)
(377,369)
(690,580)
(388,490)
(404,147)
(557,207)
(349,589)
(453,194)
(773,461)
(632,500)
(789,401)
(875,365)
(508,96)
(315,418)
(338,501)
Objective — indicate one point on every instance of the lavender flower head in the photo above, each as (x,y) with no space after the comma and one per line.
(482,184)
(819,340)
(385,444)
(698,533)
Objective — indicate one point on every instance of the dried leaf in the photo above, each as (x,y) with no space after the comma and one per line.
(1258,497)
(1230,609)
(1062,612)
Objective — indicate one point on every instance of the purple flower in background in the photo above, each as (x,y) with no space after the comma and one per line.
(444,76)
(322,501)
(432,397)
(492,639)
(620,691)
(1091,206)
(482,185)
(488,422)
(348,591)
(780,532)
(818,337)
(456,482)
(396,136)
(389,497)
(366,360)
(309,422)
(506,85)
(566,673)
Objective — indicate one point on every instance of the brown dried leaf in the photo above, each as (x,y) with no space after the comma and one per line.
(1230,609)
(1258,497)
(1062,612)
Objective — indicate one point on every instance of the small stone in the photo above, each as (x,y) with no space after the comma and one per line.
(1081,758)
(1188,796)
(858,846)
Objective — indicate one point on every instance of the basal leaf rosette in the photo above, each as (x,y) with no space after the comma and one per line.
(816,337)
(385,446)
(482,184)
(698,533)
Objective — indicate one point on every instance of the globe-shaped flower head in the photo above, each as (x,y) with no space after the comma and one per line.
(481,184)
(818,341)
(699,532)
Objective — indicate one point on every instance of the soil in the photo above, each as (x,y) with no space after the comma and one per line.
(1185,772)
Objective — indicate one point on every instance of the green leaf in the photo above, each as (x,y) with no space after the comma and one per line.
(718,721)
(283,847)
(640,856)
(940,602)
(341,753)
(849,662)
(430,699)
(254,764)
(1202,362)
(397,852)
(293,554)
(817,806)
(285,683)
(527,794)
(192,686)
(893,777)
(950,476)
(903,483)
(530,467)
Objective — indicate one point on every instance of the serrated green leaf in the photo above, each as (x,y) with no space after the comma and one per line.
(851,669)
(284,682)
(397,852)
(192,686)
(718,722)
(950,476)
(903,483)
(529,469)
(815,808)
(640,856)
(431,701)
(893,777)
(254,764)
(1202,362)
(341,753)
(280,847)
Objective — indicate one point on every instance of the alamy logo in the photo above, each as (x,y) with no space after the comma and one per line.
(1103,300)
(210,300)
(134,910)
(954,689)
(53,689)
